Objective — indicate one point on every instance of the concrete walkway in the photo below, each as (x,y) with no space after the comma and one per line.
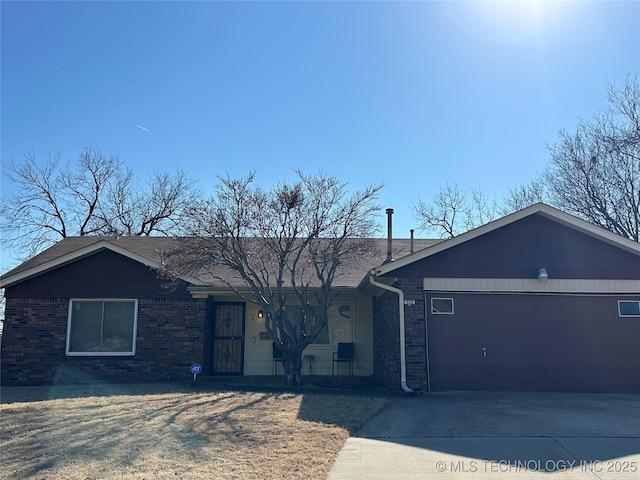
(486,435)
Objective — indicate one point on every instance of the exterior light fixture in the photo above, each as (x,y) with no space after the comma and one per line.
(260,314)
(543,276)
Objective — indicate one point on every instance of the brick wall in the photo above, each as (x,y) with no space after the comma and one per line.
(386,339)
(414,332)
(387,336)
(170,337)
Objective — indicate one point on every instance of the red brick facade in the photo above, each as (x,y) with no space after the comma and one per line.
(386,336)
(414,332)
(386,339)
(169,338)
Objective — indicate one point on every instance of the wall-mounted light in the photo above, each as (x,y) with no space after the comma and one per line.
(543,276)
(260,314)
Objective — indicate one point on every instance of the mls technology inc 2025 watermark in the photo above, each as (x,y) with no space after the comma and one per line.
(510,466)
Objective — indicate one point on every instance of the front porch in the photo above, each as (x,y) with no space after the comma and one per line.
(237,344)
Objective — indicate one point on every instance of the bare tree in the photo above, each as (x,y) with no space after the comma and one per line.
(524,195)
(281,249)
(594,173)
(160,208)
(95,196)
(452,211)
(81,189)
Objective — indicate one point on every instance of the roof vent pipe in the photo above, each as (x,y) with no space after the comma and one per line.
(411,244)
(389,233)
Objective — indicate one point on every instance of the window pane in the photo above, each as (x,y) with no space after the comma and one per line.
(323,337)
(86,327)
(338,328)
(629,308)
(441,305)
(296,316)
(117,333)
(102,326)
(340,324)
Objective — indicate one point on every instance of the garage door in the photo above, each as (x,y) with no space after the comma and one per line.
(525,342)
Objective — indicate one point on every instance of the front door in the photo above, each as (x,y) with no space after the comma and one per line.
(228,339)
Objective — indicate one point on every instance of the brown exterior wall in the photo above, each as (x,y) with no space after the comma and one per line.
(387,336)
(519,249)
(169,336)
(104,274)
(535,342)
(516,250)
(415,338)
(386,339)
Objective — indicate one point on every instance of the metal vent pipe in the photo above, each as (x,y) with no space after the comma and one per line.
(389,234)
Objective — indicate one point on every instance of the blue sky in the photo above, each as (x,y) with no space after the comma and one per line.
(414,94)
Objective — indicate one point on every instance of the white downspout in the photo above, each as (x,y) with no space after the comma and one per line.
(403,363)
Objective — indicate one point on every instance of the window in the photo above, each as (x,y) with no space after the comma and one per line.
(102,327)
(442,306)
(337,329)
(628,308)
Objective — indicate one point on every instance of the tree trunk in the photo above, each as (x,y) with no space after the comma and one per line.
(292,364)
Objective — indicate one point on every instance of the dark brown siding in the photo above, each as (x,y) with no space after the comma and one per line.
(519,249)
(534,342)
(103,274)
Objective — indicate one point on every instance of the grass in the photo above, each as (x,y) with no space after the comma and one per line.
(161,431)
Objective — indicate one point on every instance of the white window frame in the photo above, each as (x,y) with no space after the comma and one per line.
(434,312)
(620,314)
(103,354)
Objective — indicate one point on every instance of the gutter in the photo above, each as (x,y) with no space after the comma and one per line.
(403,362)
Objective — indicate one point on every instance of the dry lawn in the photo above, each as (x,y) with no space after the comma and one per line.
(130,432)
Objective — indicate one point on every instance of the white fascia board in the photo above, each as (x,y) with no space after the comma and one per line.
(541,208)
(83,252)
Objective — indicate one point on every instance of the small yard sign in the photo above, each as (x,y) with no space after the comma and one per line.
(196,368)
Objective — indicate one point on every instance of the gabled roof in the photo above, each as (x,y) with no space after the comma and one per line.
(149,251)
(146,250)
(543,209)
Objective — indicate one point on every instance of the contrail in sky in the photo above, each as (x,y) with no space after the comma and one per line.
(141,127)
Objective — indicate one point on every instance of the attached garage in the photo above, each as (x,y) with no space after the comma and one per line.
(538,300)
(532,342)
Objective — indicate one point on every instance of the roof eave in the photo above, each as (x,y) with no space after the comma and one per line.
(204,290)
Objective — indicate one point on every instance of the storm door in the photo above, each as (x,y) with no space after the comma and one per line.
(228,339)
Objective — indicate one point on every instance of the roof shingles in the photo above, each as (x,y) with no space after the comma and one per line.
(152,249)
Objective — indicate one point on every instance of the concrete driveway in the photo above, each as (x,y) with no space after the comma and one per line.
(488,435)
